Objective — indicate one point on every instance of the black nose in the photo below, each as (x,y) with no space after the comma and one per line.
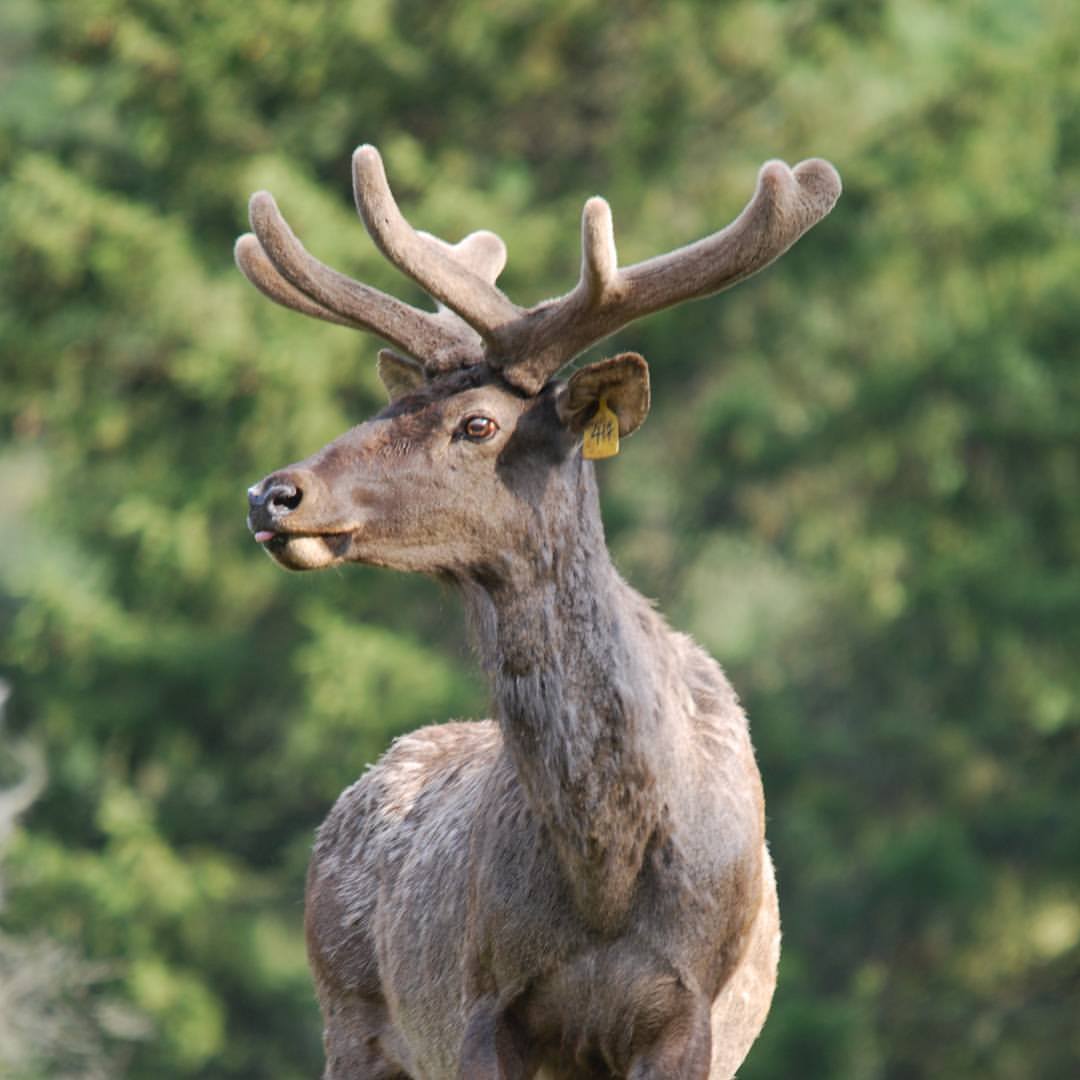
(279,496)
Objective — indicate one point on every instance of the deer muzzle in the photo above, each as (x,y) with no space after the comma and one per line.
(287,514)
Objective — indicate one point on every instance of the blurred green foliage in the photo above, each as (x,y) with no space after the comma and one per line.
(860,485)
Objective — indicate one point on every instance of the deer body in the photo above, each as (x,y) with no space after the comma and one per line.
(578,888)
(512,873)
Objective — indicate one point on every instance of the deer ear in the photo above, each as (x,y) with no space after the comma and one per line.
(399,374)
(622,381)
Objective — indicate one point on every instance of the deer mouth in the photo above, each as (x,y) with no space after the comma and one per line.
(304,550)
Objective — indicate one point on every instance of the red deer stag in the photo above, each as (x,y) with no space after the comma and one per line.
(579,887)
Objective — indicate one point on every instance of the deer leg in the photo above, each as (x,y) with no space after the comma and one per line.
(682,1049)
(357,1030)
(492,1047)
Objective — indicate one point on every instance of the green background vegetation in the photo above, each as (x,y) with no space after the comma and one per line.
(860,488)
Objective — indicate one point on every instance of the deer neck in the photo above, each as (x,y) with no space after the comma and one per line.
(576,660)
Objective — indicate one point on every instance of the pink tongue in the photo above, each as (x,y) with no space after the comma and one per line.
(262,536)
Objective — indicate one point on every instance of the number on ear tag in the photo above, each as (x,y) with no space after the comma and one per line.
(602,434)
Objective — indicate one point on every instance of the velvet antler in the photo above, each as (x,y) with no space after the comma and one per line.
(481,323)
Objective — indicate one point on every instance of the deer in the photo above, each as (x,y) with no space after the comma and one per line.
(579,886)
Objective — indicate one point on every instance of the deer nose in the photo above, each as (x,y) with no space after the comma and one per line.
(278,495)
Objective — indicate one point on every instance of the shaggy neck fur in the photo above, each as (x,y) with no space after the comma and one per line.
(580,668)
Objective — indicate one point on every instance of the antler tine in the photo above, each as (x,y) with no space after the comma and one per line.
(261,272)
(785,204)
(599,260)
(278,265)
(481,252)
(464,291)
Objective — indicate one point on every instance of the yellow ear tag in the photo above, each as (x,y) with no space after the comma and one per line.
(602,434)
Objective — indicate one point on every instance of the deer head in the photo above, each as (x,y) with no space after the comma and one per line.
(480,441)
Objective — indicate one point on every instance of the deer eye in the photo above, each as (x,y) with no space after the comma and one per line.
(478,428)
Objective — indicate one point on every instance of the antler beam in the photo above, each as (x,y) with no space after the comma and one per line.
(786,203)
